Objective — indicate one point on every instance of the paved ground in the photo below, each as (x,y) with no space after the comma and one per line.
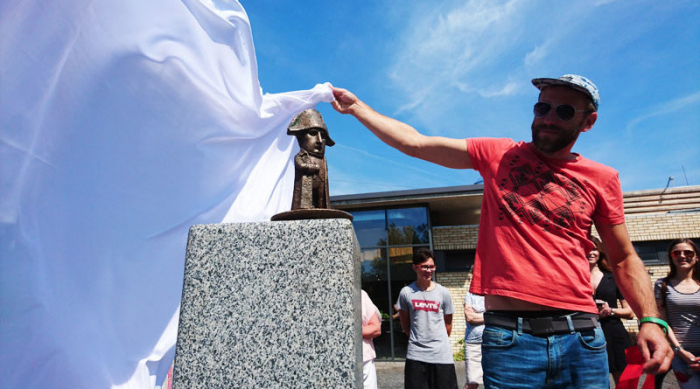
(390,376)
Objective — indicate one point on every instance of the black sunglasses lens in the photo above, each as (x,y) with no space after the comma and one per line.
(687,253)
(566,112)
(541,109)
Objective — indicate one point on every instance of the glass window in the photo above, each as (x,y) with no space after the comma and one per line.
(653,252)
(402,274)
(370,227)
(387,260)
(374,268)
(408,226)
(375,282)
(455,260)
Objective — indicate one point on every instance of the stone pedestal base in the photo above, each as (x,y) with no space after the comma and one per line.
(271,305)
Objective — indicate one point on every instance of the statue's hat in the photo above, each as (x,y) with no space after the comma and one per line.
(307,120)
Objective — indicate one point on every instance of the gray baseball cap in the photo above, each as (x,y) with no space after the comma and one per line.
(579,83)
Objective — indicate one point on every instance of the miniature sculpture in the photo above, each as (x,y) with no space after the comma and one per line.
(311,198)
(310,171)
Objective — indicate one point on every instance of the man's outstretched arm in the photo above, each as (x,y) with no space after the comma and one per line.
(443,151)
(634,283)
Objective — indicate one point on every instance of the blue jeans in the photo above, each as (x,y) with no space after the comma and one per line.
(513,359)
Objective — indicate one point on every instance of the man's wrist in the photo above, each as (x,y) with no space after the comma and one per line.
(655,320)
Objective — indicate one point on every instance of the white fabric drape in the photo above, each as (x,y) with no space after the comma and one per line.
(123,123)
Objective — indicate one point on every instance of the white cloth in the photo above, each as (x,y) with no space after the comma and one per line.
(123,123)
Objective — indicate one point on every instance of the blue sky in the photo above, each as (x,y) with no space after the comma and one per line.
(463,69)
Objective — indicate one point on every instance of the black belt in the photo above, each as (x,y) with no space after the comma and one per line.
(543,326)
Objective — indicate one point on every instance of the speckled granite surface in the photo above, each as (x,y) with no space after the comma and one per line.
(271,305)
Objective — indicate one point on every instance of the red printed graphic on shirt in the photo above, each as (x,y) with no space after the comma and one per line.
(424,305)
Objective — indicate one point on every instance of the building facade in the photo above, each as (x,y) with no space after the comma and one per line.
(391,225)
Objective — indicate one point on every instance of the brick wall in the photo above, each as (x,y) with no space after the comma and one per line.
(648,227)
(455,237)
(663,226)
(458,285)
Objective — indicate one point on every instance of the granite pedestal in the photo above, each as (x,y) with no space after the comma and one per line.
(271,305)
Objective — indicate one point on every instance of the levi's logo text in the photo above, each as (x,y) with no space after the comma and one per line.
(424,305)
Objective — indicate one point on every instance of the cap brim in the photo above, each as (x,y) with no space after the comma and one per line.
(541,83)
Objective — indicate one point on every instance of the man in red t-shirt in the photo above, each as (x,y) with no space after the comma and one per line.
(540,202)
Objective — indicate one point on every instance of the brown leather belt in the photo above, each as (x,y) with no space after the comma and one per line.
(543,326)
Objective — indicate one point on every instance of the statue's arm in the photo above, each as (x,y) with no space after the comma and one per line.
(307,164)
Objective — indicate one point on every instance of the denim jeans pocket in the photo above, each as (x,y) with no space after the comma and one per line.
(592,339)
(497,337)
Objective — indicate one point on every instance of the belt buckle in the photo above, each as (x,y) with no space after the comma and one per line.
(541,326)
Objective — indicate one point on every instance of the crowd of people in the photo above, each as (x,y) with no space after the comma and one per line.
(547,312)
(425,310)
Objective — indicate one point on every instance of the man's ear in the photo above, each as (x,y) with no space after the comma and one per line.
(589,121)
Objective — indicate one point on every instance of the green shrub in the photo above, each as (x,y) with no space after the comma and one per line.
(459,355)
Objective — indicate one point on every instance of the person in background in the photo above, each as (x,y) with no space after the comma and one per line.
(474,316)
(606,294)
(426,317)
(678,298)
(395,316)
(371,328)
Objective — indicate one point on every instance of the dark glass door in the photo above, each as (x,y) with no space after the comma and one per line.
(388,239)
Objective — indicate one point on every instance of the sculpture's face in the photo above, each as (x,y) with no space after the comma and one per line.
(312,140)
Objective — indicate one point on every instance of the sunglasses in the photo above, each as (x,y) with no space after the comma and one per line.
(564,112)
(427,268)
(687,253)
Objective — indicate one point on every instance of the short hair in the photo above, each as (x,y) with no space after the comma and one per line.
(591,107)
(421,255)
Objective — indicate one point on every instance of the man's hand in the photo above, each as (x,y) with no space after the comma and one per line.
(655,348)
(344,100)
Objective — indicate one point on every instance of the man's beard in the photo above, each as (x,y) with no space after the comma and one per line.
(554,143)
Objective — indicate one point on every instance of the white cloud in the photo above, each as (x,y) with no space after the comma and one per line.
(461,52)
(537,54)
(506,90)
(666,108)
(449,45)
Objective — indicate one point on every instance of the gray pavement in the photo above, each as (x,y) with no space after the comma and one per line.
(390,376)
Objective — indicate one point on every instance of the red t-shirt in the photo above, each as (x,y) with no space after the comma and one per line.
(536,217)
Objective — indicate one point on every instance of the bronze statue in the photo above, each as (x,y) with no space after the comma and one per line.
(311,197)
(310,171)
